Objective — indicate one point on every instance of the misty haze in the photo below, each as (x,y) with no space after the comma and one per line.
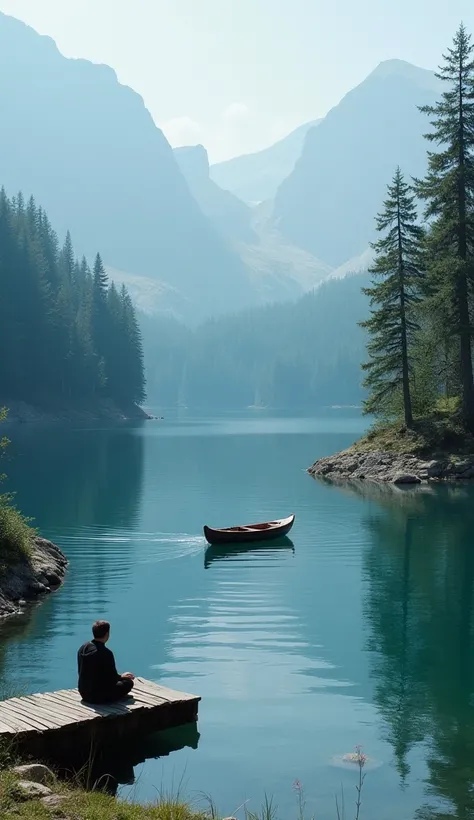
(236,286)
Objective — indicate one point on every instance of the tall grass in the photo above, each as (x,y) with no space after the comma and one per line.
(16,535)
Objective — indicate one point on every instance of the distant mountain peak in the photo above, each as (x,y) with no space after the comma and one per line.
(327,205)
(396,66)
(401,68)
(198,148)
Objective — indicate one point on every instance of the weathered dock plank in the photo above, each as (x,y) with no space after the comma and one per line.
(47,724)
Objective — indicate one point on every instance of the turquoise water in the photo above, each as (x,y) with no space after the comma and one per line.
(362,635)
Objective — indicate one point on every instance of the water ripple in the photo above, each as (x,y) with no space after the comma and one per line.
(148,547)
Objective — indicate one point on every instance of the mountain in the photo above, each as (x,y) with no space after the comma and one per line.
(356,265)
(89,150)
(256,177)
(328,203)
(277,270)
(229,214)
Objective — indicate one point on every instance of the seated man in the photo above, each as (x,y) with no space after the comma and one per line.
(99,681)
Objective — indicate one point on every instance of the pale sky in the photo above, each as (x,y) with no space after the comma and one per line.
(236,75)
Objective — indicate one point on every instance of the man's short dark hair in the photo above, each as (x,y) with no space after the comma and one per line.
(100,629)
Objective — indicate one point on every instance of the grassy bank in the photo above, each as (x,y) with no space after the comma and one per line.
(441,433)
(76,803)
(73,802)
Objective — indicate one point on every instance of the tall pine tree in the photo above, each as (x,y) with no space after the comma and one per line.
(133,372)
(448,190)
(394,294)
(100,316)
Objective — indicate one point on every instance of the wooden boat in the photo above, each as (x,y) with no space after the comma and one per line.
(250,533)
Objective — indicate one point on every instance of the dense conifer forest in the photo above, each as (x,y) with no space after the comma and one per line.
(68,337)
(291,356)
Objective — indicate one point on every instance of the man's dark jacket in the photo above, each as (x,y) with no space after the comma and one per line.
(98,675)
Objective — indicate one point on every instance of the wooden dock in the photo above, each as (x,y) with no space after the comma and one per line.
(50,725)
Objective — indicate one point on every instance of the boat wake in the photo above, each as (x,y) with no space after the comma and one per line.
(149,547)
(168,546)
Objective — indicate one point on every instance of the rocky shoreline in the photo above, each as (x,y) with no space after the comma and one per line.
(394,468)
(31,579)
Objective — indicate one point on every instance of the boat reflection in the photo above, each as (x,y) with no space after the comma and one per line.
(231,551)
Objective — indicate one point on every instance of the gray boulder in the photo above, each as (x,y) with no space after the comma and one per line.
(54,801)
(35,773)
(406,478)
(31,791)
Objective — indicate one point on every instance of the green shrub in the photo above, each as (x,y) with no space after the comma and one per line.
(450,405)
(16,534)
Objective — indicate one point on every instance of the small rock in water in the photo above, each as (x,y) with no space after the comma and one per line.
(406,478)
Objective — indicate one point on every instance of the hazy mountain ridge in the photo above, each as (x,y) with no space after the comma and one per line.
(228,213)
(89,150)
(276,269)
(328,204)
(256,177)
(356,265)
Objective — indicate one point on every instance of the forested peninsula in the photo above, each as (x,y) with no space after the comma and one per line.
(73,340)
(419,371)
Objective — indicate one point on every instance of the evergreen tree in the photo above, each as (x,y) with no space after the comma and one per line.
(99,309)
(50,248)
(66,259)
(393,295)
(116,343)
(448,190)
(101,280)
(133,364)
(8,298)
(32,217)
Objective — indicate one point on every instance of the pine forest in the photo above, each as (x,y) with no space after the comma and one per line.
(71,337)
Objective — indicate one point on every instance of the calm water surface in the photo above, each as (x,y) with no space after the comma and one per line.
(363,635)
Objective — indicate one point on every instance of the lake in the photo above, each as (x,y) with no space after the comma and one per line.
(363,635)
